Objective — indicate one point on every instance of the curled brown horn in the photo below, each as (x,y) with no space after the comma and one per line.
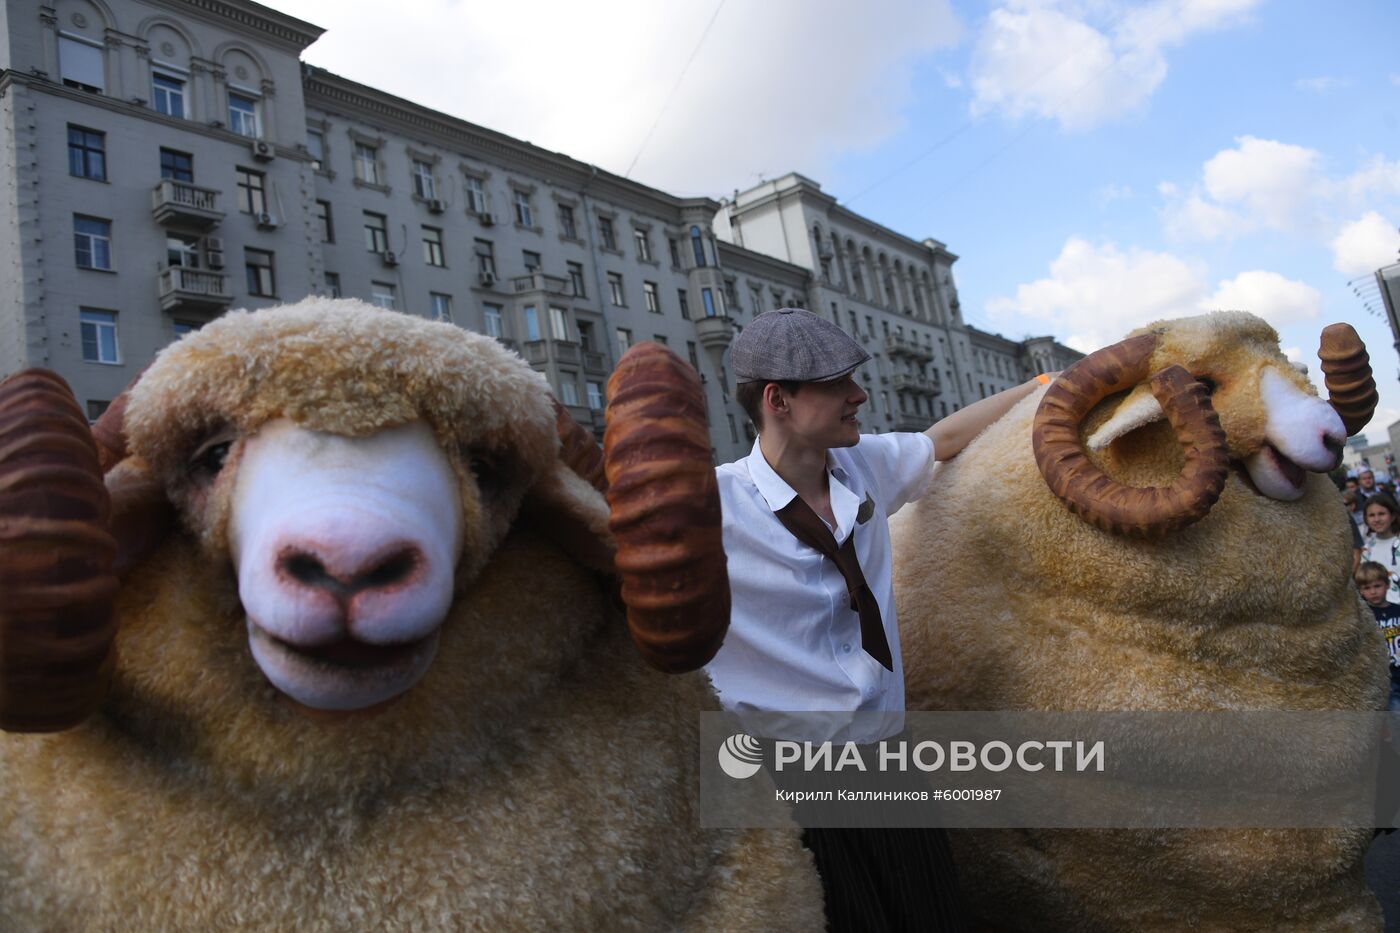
(1102,502)
(578,449)
(665,512)
(1346,368)
(57,586)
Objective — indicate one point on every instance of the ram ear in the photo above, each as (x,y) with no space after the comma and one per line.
(1138,409)
(573,514)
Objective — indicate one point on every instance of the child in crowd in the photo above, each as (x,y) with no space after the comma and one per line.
(1374,582)
(1382,541)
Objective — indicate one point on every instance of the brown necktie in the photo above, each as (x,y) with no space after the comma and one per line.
(806,526)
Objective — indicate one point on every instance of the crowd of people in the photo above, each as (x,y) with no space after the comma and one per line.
(1375,517)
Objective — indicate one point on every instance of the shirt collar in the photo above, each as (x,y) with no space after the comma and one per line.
(777,493)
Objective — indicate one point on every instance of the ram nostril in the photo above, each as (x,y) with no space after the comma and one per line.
(1333,445)
(305,569)
(392,570)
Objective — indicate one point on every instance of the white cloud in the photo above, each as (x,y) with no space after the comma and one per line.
(1276,299)
(1096,294)
(590,79)
(1260,183)
(1365,245)
(1321,84)
(1084,64)
(1113,192)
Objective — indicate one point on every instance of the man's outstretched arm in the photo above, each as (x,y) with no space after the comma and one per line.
(951,434)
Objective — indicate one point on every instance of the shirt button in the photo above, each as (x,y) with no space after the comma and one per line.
(846,647)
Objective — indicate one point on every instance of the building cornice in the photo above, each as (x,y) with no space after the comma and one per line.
(255,18)
(328,91)
(739,259)
(11,78)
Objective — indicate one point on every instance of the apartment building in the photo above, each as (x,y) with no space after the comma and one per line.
(165,161)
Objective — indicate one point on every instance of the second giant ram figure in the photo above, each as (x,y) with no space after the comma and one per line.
(1111,544)
(374,677)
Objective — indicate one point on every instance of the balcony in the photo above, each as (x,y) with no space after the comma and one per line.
(915,384)
(183,289)
(179,202)
(540,282)
(904,421)
(542,351)
(595,363)
(897,346)
(715,333)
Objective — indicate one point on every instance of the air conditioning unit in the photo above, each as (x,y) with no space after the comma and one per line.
(487,278)
(488,220)
(263,150)
(436,205)
(268,221)
(214,256)
(389,257)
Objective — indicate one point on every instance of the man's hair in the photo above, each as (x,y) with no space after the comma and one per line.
(749,395)
(1371,572)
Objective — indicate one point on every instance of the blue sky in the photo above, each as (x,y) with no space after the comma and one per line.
(1096,164)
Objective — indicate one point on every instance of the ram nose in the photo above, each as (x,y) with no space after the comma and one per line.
(345,576)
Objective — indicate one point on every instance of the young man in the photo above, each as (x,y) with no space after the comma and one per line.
(813,624)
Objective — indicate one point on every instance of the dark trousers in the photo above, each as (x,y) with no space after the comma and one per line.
(887,879)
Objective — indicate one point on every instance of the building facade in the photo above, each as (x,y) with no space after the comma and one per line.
(163,161)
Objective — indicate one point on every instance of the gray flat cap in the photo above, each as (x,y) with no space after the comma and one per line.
(793,344)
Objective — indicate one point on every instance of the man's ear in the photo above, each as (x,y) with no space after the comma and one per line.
(774,400)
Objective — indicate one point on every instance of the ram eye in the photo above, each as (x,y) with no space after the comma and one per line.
(209,459)
(486,473)
(1210,384)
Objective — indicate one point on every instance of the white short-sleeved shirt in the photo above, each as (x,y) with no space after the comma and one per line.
(794,641)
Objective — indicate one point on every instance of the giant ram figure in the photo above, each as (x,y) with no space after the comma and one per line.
(1152,532)
(372,674)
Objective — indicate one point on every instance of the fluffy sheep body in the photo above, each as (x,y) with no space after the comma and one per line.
(1008,601)
(537,776)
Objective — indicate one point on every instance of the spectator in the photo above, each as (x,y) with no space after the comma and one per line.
(1382,544)
(1353,503)
(1366,484)
(1373,581)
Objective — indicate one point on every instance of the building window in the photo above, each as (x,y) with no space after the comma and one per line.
(531,259)
(476,194)
(707,297)
(595,395)
(168,94)
(568,388)
(733,430)
(606,234)
(367,163)
(424,185)
(182,251)
(333,284)
(661,339)
(442,306)
(643,244)
(432,247)
(243,114)
(576,279)
(697,244)
(316,147)
(92,242)
(323,217)
(82,65)
(376,232)
(684,300)
(615,288)
(261,280)
(624,341)
(558,323)
(653,300)
(494,322)
(178,166)
(524,213)
(87,153)
(566,222)
(384,295)
(181,328)
(675,250)
(731,296)
(486,258)
(532,323)
(694,356)
(99,335)
(252,195)
(585,336)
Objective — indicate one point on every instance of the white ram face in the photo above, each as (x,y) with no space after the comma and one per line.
(345,550)
(1301,433)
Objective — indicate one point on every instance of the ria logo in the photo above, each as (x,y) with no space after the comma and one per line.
(740,756)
